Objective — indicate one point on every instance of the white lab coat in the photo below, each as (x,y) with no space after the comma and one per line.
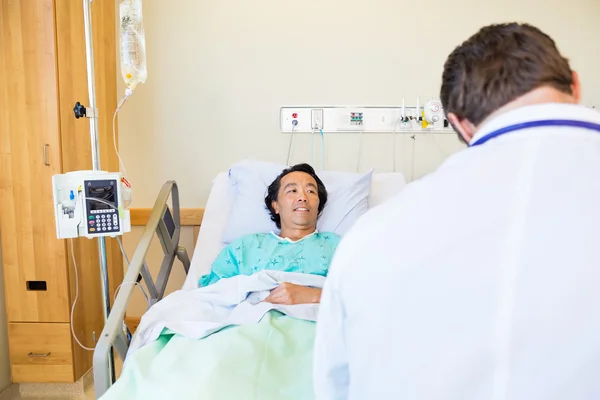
(480,281)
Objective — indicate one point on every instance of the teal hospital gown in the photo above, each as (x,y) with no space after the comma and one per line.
(267,251)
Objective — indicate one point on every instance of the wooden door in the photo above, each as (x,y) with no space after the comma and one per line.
(34,260)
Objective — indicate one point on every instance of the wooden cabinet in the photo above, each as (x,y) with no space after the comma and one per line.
(42,76)
(41,352)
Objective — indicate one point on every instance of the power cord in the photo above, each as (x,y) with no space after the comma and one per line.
(115,296)
(414,138)
(294,124)
(75,300)
(360,145)
(289,154)
(394,143)
(312,146)
(146,296)
(322,150)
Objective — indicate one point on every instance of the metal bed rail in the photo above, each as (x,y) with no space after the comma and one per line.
(167,227)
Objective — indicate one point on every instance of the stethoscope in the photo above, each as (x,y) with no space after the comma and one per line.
(536,124)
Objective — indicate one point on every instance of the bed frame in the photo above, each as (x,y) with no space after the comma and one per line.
(166,223)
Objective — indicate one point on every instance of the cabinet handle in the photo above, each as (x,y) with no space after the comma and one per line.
(39,354)
(46,155)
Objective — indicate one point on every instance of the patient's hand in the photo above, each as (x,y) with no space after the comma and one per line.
(288,293)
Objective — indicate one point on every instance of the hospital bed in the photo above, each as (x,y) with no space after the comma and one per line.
(164,222)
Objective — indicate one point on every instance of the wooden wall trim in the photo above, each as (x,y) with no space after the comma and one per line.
(189,216)
(132,323)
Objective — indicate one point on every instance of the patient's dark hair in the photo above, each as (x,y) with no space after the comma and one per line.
(273,190)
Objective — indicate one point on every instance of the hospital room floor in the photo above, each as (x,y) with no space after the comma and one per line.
(47,392)
(83,389)
(52,393)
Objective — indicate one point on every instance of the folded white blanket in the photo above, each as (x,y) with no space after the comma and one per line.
(233,301)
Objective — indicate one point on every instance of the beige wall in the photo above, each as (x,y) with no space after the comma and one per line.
(218,71)
(5,378)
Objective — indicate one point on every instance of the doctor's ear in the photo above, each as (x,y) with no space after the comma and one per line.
(275,206)
(464,127)
(576,88)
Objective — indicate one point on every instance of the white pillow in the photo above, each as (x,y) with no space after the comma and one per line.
(348,199)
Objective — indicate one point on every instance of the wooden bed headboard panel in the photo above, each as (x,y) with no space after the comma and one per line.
(189,217)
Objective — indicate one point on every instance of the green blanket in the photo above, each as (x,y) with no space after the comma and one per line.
(271,359)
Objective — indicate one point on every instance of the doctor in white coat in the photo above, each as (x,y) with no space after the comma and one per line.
(480,281)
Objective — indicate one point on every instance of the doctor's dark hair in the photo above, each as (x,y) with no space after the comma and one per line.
(497,65)
(273,190)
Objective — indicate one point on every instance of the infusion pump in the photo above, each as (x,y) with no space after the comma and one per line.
(90,204)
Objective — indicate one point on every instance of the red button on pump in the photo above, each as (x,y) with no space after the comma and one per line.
(295,115)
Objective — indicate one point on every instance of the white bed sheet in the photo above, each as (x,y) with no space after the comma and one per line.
(218,208)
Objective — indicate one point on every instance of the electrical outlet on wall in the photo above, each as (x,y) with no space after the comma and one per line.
(316,117)
(295,119)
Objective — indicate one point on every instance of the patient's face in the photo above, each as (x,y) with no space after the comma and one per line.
(297,201)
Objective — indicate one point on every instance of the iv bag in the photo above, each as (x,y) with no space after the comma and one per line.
(133,43)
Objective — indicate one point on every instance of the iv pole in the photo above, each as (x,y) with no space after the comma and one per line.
(92,114)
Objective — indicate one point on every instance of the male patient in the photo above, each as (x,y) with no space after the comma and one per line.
(295,199)
(484,277)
